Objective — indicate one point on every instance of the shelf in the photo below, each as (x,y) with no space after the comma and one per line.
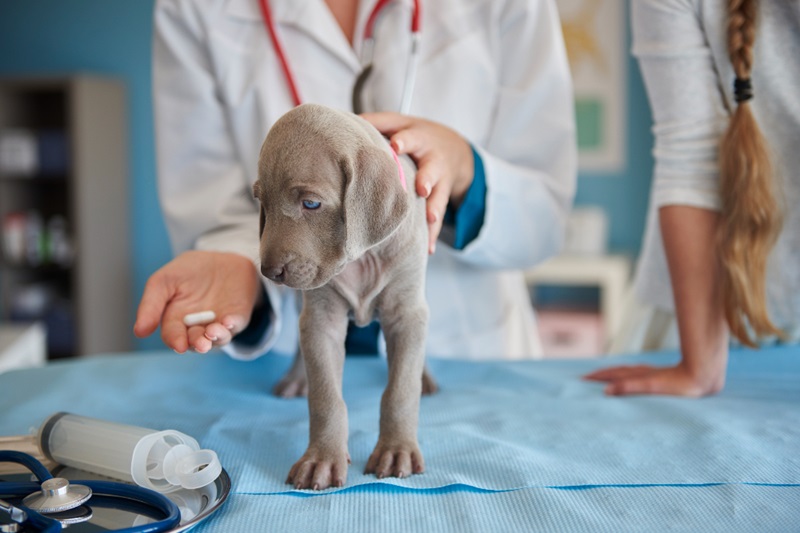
(33,179)
(69,161)
(49,268)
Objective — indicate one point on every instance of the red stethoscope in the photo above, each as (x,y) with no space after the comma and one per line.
(366,56)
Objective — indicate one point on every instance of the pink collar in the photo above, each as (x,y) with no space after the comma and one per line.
(399,168)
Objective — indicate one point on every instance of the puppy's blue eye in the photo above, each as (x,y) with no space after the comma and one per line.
(311,204)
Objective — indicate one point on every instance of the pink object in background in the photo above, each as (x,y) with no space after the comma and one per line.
(14,237)
(571,334)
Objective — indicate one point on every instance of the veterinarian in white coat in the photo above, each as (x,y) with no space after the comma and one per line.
(494,71)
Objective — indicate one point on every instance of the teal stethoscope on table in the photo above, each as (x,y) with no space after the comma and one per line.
(51,502)
(366,59)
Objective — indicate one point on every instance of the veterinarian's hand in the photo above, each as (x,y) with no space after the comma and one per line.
(225,283)
(443,157)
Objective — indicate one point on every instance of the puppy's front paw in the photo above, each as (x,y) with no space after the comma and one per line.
(395,460)
(318,471)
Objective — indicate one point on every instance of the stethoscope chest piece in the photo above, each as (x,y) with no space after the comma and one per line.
(57,495)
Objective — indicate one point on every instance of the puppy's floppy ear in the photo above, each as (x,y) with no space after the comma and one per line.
(375,201)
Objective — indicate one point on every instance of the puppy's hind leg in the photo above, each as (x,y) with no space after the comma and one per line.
(294,383)
(429,385)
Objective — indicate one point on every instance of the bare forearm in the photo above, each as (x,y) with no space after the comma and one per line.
(689,242)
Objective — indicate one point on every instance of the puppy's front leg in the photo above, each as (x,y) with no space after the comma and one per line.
(323,326)
(397,452)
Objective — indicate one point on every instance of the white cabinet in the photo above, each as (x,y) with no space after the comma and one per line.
(580,332)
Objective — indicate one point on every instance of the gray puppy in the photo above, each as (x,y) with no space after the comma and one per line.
(340,220)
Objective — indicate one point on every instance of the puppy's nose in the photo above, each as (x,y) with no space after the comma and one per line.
(275,273)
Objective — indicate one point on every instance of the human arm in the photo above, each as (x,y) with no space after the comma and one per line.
(204,191)
(690,116)
(689,236)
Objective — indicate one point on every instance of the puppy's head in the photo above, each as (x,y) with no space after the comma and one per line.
(329,190)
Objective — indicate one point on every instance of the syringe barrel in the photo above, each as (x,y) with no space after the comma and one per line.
(90,444)
(164,461)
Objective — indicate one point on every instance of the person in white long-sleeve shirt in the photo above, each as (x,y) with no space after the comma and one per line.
(491,128)
(715,262)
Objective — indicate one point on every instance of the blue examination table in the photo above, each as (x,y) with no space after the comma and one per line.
(511,446)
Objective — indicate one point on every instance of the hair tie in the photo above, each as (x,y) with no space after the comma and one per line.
(742,89)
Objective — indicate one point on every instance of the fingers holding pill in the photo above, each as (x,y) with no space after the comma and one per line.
(174,334)
(213,292)
(199,331)
(198,324)
(218,334)
(204,337)
(198,340)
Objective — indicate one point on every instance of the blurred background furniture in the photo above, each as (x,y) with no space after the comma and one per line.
(580,295)
(580,326)
(22,346)
(65,258)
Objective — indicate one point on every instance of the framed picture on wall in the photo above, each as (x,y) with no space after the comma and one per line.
(595,33)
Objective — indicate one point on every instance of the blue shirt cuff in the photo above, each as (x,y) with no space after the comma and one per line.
(468,219)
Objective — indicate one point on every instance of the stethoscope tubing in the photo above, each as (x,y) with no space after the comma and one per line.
(266,12)
(42,523)
(411,67)
(172,515)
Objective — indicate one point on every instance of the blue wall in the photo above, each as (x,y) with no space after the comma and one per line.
(112,37)
(625,194)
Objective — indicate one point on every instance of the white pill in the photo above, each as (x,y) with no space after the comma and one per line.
(199,318)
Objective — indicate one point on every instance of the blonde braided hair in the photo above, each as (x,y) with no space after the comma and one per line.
(751,218)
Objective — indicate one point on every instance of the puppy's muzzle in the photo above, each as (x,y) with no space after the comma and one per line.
(276,273)
(295,273)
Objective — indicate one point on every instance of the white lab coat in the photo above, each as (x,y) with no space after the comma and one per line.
(495,71)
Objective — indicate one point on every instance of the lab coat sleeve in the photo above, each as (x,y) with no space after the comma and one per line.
(688,105)
(205,195)
(530,154)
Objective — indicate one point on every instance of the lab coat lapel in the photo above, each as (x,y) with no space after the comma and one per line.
(309,16)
